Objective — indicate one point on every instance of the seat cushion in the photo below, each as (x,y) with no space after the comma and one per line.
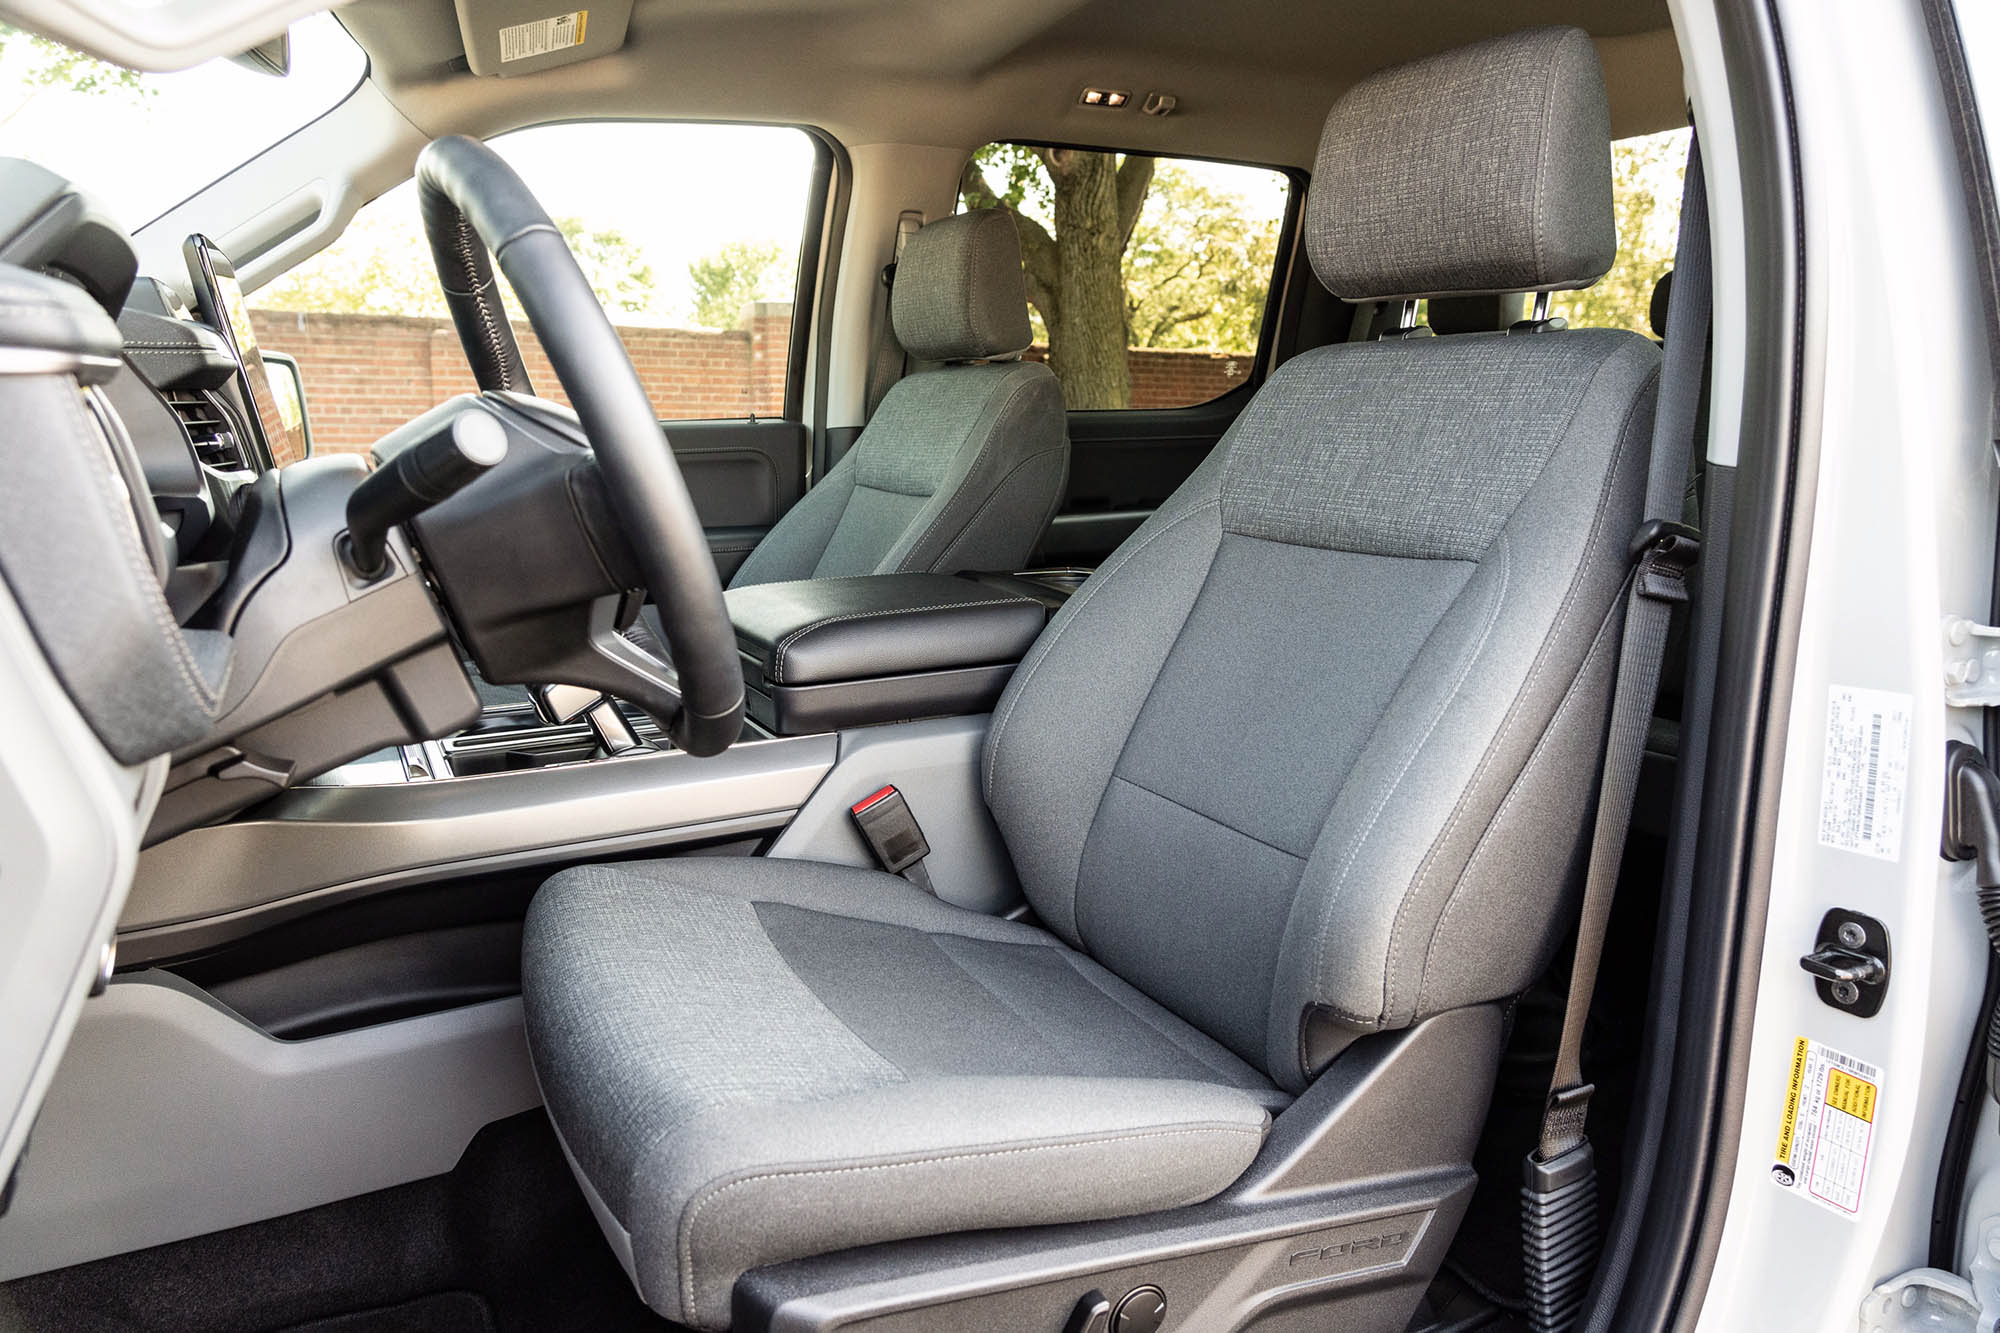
(750,1061)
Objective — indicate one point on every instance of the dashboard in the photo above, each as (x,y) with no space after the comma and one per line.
(170,546)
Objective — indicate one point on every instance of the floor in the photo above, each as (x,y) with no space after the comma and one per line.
(504,1243)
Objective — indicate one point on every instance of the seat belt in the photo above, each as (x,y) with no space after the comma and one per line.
(889,361)
(1559,1230)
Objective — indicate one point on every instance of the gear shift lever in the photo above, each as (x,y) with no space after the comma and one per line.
(559,704)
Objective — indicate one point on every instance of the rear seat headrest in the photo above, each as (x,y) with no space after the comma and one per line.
(1484,169)
(959,294)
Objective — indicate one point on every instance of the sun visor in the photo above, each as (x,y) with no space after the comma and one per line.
(508,37)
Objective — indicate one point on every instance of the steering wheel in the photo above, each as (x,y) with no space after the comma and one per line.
(475,209)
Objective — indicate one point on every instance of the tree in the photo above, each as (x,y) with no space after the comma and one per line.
(34,63)
(381,265)
(1074,269)
(1646,190)
(737,274)
(1198,266)
(618,273)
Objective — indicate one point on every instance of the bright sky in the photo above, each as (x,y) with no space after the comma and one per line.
(140,152)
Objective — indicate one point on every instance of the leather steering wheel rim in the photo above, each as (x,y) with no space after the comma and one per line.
(473,204)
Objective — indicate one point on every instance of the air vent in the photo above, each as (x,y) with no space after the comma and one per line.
(208,430)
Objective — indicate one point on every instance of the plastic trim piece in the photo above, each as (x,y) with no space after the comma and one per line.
(314,845)
(1340,1222)
(236,1126)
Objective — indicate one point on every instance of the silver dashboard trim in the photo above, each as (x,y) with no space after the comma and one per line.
(312,846)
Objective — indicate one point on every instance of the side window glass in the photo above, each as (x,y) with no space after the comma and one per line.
(1646,176)
(1147,276)
(691,239)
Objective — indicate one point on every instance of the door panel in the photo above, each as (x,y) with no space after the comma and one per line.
(743,475)
(1122,466)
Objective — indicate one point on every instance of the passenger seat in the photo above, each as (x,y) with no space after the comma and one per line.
(963,464)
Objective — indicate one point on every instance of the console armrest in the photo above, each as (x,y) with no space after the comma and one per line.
(819,654)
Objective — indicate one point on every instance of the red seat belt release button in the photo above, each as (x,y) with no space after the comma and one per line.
(890,830)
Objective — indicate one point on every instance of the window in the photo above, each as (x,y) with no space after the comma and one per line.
(141,143)
(690,234)
(1147,276)
(1646,192)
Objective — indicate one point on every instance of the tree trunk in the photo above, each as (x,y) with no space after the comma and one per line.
(1076,278)
(1087,347)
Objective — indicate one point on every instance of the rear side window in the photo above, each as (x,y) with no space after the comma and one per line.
(1646,173)
(1147,276)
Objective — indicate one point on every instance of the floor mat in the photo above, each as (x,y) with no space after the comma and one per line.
(504,1243)
(445,1312)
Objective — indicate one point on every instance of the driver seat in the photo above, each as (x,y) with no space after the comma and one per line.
(1307,760)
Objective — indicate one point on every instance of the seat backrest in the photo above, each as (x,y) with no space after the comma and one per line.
(964,462)
(1311,755)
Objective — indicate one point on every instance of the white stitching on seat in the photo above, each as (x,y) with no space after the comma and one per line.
(784,644)
(998,489)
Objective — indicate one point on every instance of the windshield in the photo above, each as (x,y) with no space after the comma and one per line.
(141,143)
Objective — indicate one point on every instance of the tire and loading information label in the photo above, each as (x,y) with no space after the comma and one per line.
(1828,1126)
(542,36)
(1867,770)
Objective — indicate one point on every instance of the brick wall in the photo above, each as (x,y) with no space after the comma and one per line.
(367,374)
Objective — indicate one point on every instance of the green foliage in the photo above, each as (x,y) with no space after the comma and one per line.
(1646,184)
(34,61)
(1018,179)
(737,274)
(381,265)
(1198,266)
(618,273)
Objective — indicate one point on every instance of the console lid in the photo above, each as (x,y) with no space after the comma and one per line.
(820,654)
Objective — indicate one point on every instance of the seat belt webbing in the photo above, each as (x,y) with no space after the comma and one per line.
(1559,1196)
(889,362)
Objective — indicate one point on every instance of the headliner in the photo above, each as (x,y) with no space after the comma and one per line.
(1254,79)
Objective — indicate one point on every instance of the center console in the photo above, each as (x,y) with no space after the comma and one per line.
(827,664)
(827,654)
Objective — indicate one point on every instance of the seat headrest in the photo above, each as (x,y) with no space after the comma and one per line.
(1483,169)
(959,293)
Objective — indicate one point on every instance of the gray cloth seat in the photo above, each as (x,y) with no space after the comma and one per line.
(1301,762)
(964,462)
(736,1083)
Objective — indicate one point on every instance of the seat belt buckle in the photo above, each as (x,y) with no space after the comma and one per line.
(1665,551)
(890,830)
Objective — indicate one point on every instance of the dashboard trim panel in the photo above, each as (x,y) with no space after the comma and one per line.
(312,846)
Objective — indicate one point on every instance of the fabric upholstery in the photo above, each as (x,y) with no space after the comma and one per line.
(961,468)
(1250,766)
(738,1087)
(959,293)
(1309,757)
(1484,169)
